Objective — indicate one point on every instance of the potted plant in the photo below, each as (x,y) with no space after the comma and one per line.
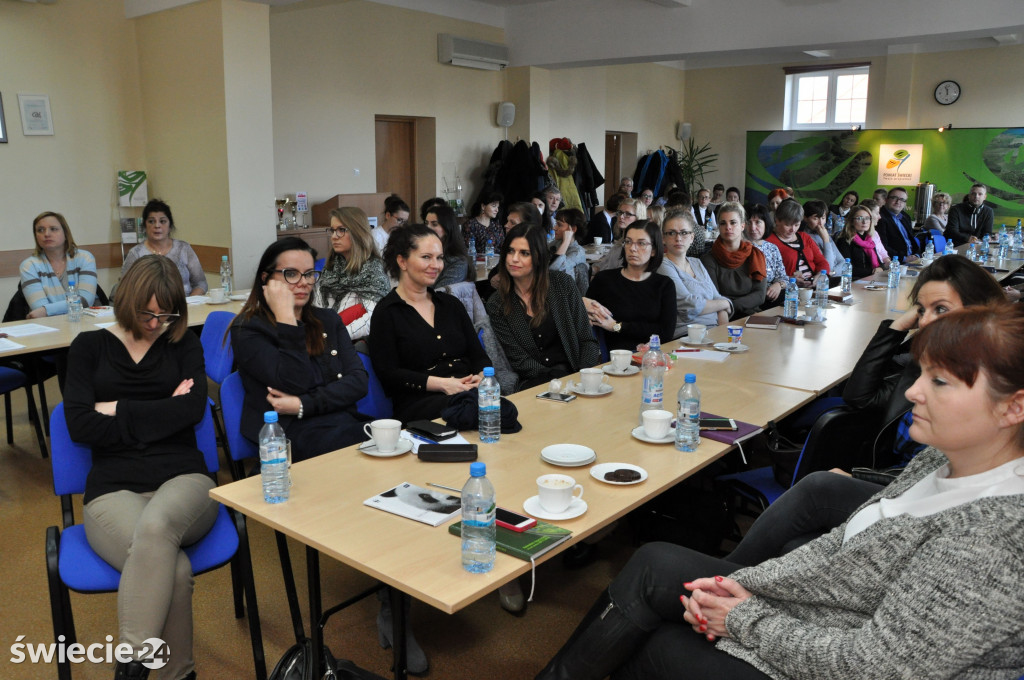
(694,162)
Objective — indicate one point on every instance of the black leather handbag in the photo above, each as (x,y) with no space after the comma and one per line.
(297,664)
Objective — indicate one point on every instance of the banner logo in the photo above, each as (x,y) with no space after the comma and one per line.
(899,164)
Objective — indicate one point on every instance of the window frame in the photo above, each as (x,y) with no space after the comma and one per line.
(792,92)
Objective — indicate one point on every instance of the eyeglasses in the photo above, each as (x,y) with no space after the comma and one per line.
(860,218)
(337,231)
(293,275)
(623,213)
(898,199)
(146,316)
(639,245)
(677,234)
(646,195)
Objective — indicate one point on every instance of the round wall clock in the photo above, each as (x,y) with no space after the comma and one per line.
(947,92)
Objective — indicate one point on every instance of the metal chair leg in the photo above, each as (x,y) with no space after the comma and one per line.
(33,415)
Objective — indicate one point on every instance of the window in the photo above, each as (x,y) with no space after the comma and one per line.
(826,99)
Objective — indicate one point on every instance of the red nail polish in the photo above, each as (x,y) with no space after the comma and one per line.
(718,578)
(682,598)
(703,629)
(688,584)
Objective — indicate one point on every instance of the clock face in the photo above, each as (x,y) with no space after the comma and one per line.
(947,92)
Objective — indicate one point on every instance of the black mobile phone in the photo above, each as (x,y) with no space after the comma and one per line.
(718,424)
(431,430)
(556,396)
(513,520)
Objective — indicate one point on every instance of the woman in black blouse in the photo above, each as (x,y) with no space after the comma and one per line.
(295,358)
(134,393)
(635,302)
(422,344)
(537,314)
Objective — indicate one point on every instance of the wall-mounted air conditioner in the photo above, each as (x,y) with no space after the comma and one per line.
(451,49)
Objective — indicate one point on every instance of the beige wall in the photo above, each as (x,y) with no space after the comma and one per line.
(82,54)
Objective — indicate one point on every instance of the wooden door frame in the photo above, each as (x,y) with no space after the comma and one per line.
(424,166)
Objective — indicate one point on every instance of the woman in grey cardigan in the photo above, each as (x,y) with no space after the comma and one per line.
(923,581)
(537,314)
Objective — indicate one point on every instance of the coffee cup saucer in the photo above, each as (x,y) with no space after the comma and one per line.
(602,390)
(211,301)
(402,447)
(533,507)
(639,433)
(703,343)
(611,370)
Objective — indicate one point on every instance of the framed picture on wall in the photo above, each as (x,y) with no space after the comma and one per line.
(35,114)
(3,124)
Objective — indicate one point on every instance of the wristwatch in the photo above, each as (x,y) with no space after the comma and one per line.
(617,328)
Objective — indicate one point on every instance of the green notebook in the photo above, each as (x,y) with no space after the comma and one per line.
(525,545)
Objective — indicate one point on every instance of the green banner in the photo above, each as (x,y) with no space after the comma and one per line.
(825,164)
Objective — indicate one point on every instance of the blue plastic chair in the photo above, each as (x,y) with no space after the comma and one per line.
(602,343)
(376,403)
(72,564)
(319,264)
(939,240)
(220,357)
(10,380)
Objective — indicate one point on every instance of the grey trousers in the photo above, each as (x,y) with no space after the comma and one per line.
(141,534)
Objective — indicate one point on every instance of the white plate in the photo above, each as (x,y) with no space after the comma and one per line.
(581,463)
(599,471)
(630,370)
(533,507)
(568,454)
(403,446)
(239,297)
(222,302)
(731,347)
(639,433)
(603,390)
(704,343)
(874,287)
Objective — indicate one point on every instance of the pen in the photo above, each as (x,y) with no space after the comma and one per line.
(680,351)
(446,488)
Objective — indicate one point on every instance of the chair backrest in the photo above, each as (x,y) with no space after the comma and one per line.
(319,264)
(376,402)
(232,399)
(217,349)
(939,239)
(71,461)
(837,439)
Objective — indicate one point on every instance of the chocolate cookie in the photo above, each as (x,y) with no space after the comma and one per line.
(622,475)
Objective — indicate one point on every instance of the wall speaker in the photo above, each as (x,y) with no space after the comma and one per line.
(683,131)
(506,114)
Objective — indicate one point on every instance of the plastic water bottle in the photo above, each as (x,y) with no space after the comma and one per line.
(949,249)
(929,253)
(74,301)
(688,415)
(1004,244)
(983,251)
(489,400)
(225,274)
(653,366)
(478,529)
(1018,238)
(274,471)
(821,293)
(489,254)
(972,252)
(472,249)
(894,273)
(846,278)
(792,300)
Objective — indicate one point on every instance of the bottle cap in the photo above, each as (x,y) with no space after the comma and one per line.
(270,417)
(792,279)
(477,469)
(690,378)
(489,372)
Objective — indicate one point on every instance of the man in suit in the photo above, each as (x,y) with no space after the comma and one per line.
(894,227)
(602,221)
(970,221)
(703,212)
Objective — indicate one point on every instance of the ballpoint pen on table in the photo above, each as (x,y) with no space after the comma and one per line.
(446,488)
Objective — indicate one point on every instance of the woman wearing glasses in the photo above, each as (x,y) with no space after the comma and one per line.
(135,392)
(625,215)
(353,280)
(159,226)
(697,298)
(295,358)
(735,265)
(634,302)
(858,243)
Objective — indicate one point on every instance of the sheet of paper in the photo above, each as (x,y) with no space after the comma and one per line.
(24,329)
(7,345)
(704,355)
(105,324)
(457,439)
(197,299)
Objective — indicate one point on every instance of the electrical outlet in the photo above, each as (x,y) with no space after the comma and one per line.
(355,172)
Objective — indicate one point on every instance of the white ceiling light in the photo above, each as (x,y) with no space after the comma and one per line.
(1006,39)
(820,54)
(671,3)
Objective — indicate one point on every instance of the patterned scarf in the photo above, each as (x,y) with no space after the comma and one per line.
(371,283)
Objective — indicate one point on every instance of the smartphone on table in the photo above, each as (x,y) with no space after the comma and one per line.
(727,424)
(513,520)
(556,396)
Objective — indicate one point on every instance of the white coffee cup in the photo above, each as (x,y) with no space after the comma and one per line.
(805,296)
(592,379)
(656,423)
(384,433)
(696,332)
(598,240)
(621,359)
(217,295)
(557,492)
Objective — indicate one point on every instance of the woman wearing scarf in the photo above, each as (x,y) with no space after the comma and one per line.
(738,268)
(353,280)
(857,242)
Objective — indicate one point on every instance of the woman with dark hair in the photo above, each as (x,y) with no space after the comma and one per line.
(635,302)
(735,265)
(159,223)
(135,391)
(566,254)
(857,242)
(815,213)
(428,204)
(458,267)
(353,280)
(837,214)
(484,226)
(547,216)
(537,314)
(923,581)
(56,260)
(732,195)
(760,222)
(422,344)
(396,213)
(295,358)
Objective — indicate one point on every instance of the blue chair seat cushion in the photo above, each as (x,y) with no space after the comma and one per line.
(83,571)
(759,481)
(11,379)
